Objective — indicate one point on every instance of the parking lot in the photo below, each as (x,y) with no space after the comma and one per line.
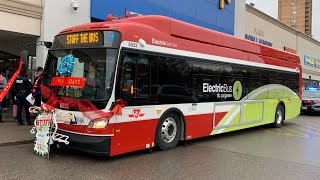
(291,152)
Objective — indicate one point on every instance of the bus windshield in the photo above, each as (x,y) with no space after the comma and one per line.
(95,66)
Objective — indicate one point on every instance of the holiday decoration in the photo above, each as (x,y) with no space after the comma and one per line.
(6,88)
(42,130)
(45,130)
(66,65)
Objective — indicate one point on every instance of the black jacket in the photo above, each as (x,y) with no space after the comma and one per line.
(22,86)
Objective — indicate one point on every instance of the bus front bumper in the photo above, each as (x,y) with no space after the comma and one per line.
(97,145)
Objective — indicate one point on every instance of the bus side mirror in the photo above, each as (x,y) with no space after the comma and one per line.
(47,44)
(24,56)
(127,90)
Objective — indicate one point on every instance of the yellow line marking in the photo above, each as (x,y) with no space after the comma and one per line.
(286,134)
(282,133)
(307,130)
(311,124)
(295,124)
(307,136)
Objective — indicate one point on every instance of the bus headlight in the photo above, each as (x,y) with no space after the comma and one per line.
(98,124)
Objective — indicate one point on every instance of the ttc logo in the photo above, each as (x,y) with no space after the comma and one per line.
(135,114)
(222,3)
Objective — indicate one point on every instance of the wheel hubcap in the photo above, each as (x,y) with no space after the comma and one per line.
(169,130)
(279,116)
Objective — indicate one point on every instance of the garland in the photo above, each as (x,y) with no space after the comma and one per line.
(66,65)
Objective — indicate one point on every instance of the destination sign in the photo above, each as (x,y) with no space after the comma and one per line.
(68,81)
(81,39)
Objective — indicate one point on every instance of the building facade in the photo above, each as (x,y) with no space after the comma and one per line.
(218,15)
(296,14)
(20,25)
(283,37)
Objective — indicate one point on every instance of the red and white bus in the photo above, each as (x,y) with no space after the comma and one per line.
(140,82)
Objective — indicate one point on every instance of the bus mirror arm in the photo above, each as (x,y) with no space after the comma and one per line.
(127,90)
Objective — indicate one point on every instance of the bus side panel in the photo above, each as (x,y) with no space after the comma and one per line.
(292,106)
(133,136)
(198,125)
(253,115)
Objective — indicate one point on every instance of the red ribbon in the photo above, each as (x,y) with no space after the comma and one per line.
(85,106)
(118,107)
(7,87)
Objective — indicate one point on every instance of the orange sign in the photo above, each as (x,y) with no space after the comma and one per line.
(68,81)
(83,38)
(290,50)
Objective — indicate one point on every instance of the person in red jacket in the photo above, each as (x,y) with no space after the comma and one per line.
(36,90)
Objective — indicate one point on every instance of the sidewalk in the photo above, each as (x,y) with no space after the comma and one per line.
(11,133)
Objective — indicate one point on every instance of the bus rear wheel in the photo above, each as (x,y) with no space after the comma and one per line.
(168,131)
(279,116)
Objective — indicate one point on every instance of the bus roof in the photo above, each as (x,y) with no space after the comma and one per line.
(178,30)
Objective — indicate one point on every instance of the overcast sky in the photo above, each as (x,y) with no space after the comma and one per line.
(270,7)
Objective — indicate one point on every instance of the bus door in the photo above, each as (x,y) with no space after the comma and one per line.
(135,128)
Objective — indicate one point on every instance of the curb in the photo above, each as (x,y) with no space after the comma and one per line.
(16,143)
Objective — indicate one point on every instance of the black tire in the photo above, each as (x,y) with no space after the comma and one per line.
(165,128)
(279,116)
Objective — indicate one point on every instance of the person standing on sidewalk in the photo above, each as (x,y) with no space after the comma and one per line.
(3,82)
(36,90)
(23,89)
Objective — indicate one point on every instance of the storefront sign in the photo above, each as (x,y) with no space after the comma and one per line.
(258,32)
(310,61)
(222,3)
(258,40)
(43,135)
(285,48)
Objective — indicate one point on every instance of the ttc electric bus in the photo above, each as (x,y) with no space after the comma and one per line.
(140,82)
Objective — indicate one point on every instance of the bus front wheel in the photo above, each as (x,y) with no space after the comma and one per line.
(279,116)
(168,131)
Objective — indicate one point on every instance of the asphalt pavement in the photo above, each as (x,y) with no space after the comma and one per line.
(291,152)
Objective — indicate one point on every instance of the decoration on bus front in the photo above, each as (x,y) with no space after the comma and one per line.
(66,65)
(88,110)
(45,130)
(136,113)
(43,135)
(224,90)
(68,81)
